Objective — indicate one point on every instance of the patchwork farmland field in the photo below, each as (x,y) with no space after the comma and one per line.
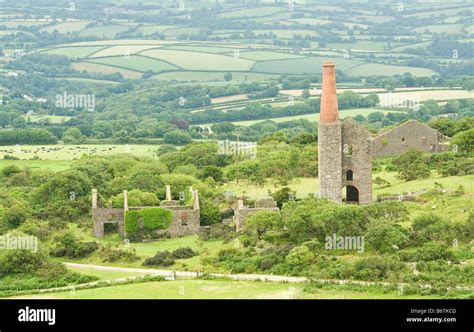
(75,52)
(135,62)
(200,61)
(103,69)
(69,152)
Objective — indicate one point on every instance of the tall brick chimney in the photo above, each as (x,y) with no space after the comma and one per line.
(329,111)
(329,139)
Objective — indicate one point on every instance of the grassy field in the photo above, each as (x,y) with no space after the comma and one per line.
(98,68)
(53,119)
(67,27)
(52,165)
(69,152)
(75,52)
(314,117)
(310,65)
(151,29)
(121,50)
(149,249)
(215,289)
(386,99)
(106,31)
(102,274)
(266,55)
(200,61)
(305,186)
(252,12)
(374,68)
(213,76)
(202,48)
(173,33)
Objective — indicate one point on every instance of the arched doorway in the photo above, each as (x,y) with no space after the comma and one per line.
(352,194)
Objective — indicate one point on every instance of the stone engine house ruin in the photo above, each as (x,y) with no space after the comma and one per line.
(185,218)
(346,149)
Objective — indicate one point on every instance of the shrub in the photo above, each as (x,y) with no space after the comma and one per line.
(262,222)
(411,166)
(162,258)
(70,245)
(15,216)
(432,227)
(376,267)
(429,252)
(300,257)
(183,253)
(218,232)
(210,213)
(136,198)
(10,170)
(109,254)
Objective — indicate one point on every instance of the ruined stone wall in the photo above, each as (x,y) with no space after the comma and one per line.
(186,221)
(101,216)
(330,161)
(411,134)
(357,157)
(241,213)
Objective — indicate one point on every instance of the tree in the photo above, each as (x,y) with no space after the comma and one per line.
(432,227)
(165,148)
(19,122)
(210,213)
(375,117)
(136,198)
(177,137)
(10,170)
(382,183)
(300,257)
(228,77)
(211,171)
(464,140)
(262,221)
(15,216)
(73,136)
(383,235)
(283,195)
(4,119)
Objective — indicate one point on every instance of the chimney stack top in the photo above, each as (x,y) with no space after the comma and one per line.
(329,113)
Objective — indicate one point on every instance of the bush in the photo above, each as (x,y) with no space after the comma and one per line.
(69,245)
(210,213)
(177,137)
(136,198)
(429,252)
(15,216)
(162,258)
(218,232)
(10,170)
(109,254)
(376,267)
(411,166)
(432,227)
(300,257)
(183,253)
